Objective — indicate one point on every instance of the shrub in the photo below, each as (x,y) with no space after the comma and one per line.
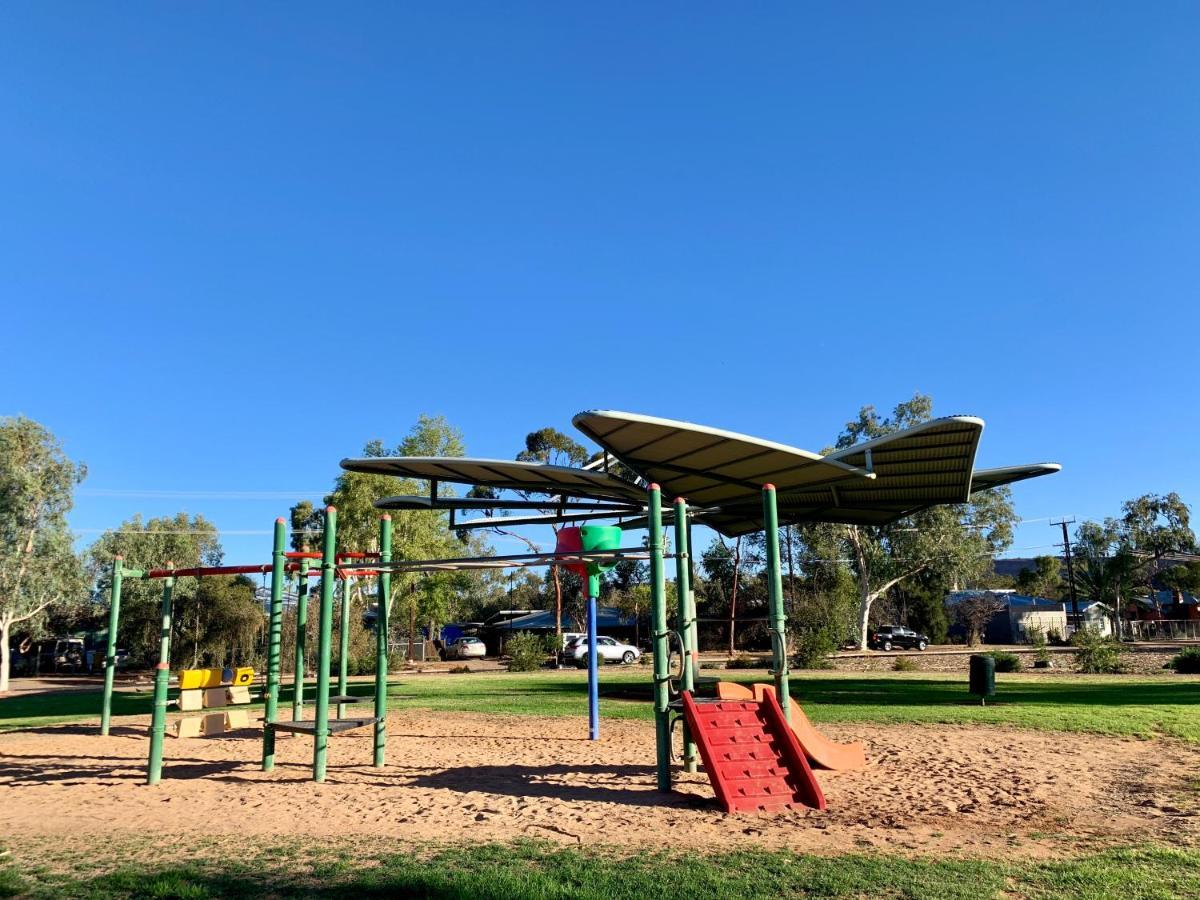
(1006,662)
(904,664)
(813,647)
(1098,655)
(710,665)
(1038,639)
(743,661)
(459,670)
(1187,662)
(527,652)
(1054,636)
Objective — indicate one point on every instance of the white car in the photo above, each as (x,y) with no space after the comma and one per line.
(466,648)
(609,649)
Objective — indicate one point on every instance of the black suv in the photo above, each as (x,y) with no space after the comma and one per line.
(885,637)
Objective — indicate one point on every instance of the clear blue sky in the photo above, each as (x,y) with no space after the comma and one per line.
(238,241)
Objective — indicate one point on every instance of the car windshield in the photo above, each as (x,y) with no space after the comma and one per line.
(469,641)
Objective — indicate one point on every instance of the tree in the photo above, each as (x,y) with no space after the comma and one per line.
(974,612)
(1181,579)
(1043,580)
(1154,526)
(1106,568)
(933,541)
(38,567)
(181,540)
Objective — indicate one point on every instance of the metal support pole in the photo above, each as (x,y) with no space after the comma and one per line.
(110,653)
(593,588)
(658,625)
(301,637)
(162,676)
(778,617)
(344,646)
(686,624)
(324,650)
(275,636)
(384,584)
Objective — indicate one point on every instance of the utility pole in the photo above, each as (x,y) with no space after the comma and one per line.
(1070,568)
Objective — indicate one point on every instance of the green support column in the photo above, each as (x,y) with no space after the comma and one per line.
(384,585)
(778,617)
(301,629)
(344,646)
(110,653)
(162,676)
(324,648)
(274,639)
(686,624)
(658,624)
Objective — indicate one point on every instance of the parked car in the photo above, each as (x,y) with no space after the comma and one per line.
(609,649)
(885,637)
(466,648)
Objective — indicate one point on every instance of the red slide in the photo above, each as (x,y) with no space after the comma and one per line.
(820,750)
(752,758)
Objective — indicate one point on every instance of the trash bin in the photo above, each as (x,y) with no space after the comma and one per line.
(983,677)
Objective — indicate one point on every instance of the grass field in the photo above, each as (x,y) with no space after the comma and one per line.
(1113,705)
(530,870)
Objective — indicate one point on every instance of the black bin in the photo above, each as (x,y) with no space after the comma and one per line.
(983,676)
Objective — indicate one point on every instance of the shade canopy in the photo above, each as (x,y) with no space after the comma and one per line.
(503,474)
(708,466)
(722,473)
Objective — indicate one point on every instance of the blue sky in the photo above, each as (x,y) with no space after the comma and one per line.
(237,242)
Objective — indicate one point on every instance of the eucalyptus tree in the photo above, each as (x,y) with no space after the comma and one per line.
(38,565)
(957,542)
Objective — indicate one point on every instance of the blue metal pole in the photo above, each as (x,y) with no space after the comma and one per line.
(593,588)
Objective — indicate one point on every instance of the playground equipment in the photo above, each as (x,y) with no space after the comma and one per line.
(755,749)
(820,750)
(735,484)
(282,565)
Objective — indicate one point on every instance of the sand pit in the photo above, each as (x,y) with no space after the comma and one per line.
(462,777)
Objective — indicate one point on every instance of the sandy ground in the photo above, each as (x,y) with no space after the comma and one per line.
(459,777)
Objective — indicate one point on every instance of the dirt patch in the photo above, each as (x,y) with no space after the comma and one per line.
(459,777)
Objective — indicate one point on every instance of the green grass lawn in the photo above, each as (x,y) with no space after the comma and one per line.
(526,870)
(1116,705)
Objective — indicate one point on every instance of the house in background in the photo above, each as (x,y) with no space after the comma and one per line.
(1017,619)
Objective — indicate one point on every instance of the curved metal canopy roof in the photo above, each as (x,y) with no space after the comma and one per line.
(721,473)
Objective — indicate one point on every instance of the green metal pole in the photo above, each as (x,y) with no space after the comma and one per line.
(775,589)
(110,654)
(658,620)
(384,585)
(273,644)
(162,676)
(686,623)
(344,646)
(301,635)
(324,648)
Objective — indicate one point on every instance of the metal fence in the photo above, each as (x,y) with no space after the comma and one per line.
(1164,630)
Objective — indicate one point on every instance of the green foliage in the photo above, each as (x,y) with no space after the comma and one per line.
(812,647)
(1040,645)
(904,664)
(1187,662)
(528,652)
(1097,654)
(1043,580)
(745,661)
(1006,662)
(38,565)
(180,540)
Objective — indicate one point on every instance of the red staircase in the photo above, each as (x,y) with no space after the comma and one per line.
(753,759)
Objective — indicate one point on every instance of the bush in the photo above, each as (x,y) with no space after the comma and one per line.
(904,664)
(1006,662)
(744,661)
(1098,655)
(459,670)
(1187,662)
(528,652)
(813,647)
(1054,636)
(1041,653)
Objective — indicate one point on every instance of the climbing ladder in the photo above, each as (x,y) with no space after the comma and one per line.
(752,758)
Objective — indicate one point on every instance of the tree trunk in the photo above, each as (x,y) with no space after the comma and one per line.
(865,599)
(5,653)
(791,573)
(737,566)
